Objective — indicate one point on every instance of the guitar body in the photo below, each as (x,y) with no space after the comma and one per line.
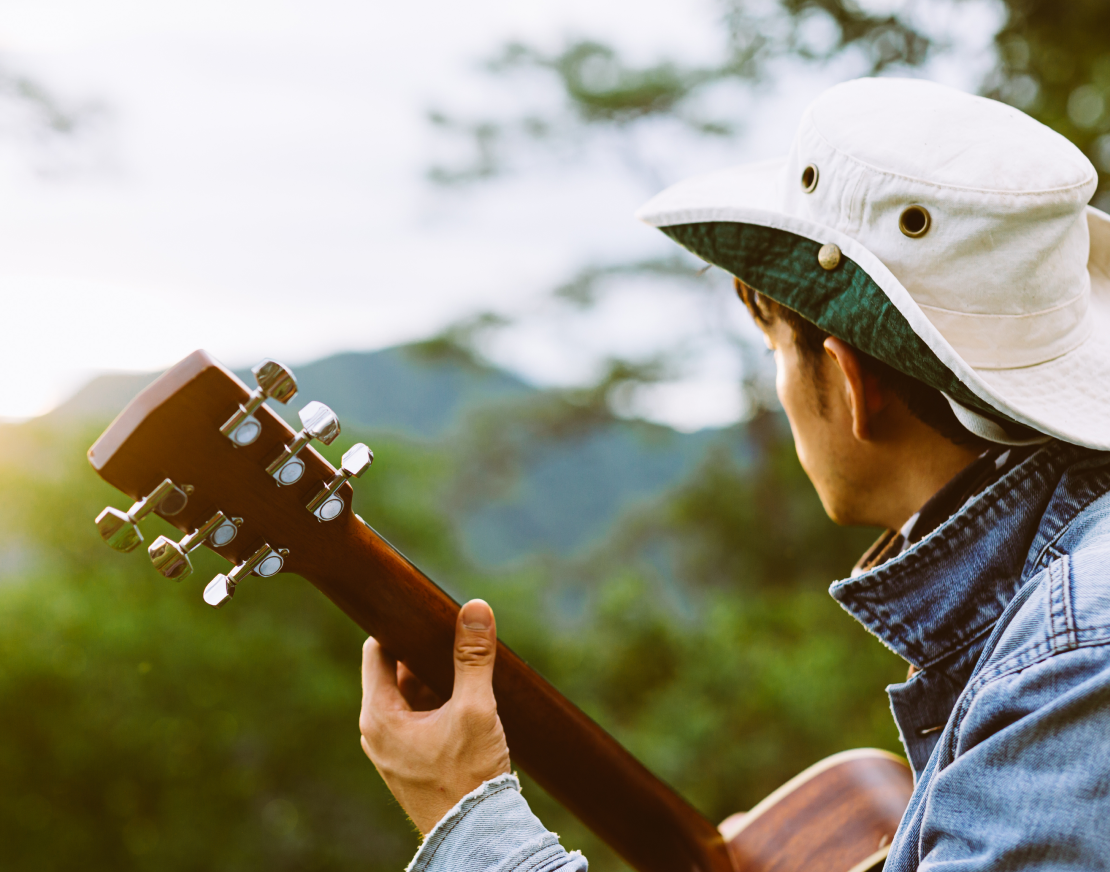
(839,815)
(173,438)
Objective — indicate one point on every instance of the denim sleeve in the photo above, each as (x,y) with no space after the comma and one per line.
(1029,787)
(492,829)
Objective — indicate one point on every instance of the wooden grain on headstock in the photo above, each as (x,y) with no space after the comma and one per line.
(171,430)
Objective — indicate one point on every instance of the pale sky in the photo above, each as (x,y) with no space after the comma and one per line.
(256,188)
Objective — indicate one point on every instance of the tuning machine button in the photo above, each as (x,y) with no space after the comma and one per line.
(171,558)
(327,504)
(274,381)
(266,561)
(120,529)
(318,422)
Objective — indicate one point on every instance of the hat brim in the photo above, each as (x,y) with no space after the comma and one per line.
(733,219)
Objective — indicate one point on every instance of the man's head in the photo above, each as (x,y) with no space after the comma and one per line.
(875,442)
(943,234)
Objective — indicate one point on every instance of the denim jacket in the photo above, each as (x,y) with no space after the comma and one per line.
(1004,611)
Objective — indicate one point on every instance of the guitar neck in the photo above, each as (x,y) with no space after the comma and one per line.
(172,430)
(566,752)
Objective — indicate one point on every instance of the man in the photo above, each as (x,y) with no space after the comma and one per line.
(928,273)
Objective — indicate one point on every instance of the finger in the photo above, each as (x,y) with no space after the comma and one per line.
(379,679)
(475,649)
(417,694)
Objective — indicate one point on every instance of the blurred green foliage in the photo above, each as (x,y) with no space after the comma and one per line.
(142,730)
(1054,63)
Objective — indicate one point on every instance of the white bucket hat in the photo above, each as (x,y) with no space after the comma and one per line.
(945,234)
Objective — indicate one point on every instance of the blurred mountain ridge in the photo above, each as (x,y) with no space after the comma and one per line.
(567,492)
(392,389)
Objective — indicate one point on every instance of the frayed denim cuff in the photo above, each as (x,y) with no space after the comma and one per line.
(492,829)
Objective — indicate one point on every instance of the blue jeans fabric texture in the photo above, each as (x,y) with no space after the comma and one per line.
(1005,611)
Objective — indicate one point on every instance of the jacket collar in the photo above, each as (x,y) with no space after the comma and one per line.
(948,589)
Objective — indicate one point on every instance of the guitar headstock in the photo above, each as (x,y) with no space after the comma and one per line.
(204,452)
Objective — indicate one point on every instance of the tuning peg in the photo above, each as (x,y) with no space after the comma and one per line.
(120,529)
(319,422)
(266,561)
(327,504)
(171,558)
(274,381)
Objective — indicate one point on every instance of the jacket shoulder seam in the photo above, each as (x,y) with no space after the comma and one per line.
(1039,653)
(1061,615)
(1015,663)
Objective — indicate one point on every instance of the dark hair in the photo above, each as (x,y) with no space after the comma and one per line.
(924,402)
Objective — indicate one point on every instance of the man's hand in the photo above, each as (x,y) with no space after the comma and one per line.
(432,754)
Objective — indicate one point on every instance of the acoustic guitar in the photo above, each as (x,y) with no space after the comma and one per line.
(206,453)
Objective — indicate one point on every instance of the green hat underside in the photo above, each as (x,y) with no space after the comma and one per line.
(845,302)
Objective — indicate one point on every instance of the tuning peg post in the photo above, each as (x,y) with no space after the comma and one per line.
(266,561)
(171,559)
(120,529)
(276,382)
(318,422)
(327,504)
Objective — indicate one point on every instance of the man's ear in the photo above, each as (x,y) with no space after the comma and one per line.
(865,397)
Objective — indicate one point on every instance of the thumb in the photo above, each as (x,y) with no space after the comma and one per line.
(475,649)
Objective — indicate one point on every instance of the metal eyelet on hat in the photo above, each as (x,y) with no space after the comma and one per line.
(914,221)
(829,256)
(809,178)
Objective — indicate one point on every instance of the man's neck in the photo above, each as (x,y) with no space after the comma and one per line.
(919,471)
(991,465)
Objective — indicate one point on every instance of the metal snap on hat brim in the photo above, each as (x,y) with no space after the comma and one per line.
(828,256)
